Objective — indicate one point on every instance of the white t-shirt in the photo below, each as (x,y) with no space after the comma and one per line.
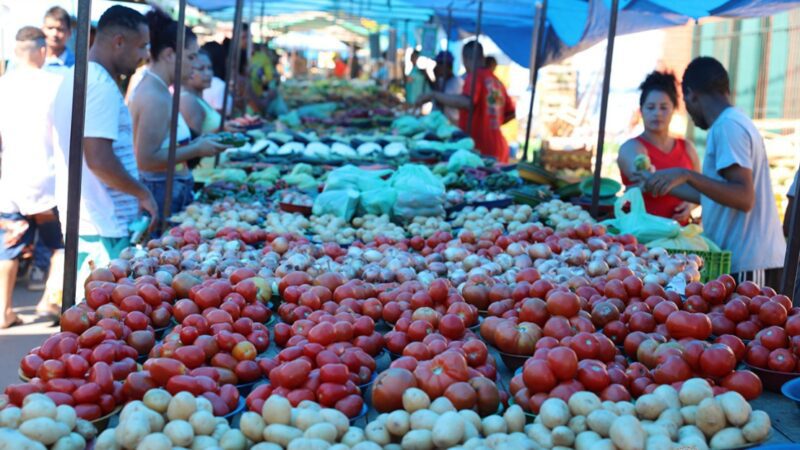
(104,211)
(27,185)
(755,238)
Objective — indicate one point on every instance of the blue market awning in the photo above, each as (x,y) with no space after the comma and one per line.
(572,25)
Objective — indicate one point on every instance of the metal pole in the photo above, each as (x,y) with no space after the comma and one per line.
(792,250)
(601,132)
(229,73)
(180,42)
(541,14)
(405,46)
(76,156)
(474,68)
(447,40)
(262,22)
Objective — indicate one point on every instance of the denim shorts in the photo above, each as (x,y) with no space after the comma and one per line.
(49,233)
(182,191)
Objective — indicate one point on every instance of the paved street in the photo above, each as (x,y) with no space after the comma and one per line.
(15,342)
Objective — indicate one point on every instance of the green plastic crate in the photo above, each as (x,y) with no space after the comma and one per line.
(714,263)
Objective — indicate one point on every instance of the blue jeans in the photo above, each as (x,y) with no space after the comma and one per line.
(41,254)
(182,191)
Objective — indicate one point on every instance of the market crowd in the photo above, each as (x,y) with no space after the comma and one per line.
(126,139)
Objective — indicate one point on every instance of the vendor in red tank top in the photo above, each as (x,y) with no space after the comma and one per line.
(658,102)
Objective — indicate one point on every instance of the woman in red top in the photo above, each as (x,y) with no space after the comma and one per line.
(658,102)
(492,107)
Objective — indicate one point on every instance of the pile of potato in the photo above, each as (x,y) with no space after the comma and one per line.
(422,425)
(419,425)
(40,424)
(560,215)
(162,422)
(664,420)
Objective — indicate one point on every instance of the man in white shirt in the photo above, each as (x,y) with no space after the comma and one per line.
(734,189)
(27,182)
(57,30)
(111,193)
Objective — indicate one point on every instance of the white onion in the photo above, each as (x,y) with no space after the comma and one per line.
(597,268)
(539,251)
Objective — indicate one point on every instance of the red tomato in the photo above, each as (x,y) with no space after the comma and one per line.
(476,352)
(717,361)
(773,338)
(293,374)
(593,375)
(565,304)
(88,393)
(538,376)
(734,343)
(615,393)
(782,360)
(682,324)
(88,411)
(736,310)
(714,292)
(585,345)
(518,339)
(772,313)
(330,393)
(744,382)
(351,405)
(563,362)
(558,327)
(451,326)
(334,373)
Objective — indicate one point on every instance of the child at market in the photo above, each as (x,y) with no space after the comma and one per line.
(734,188)
(658,102)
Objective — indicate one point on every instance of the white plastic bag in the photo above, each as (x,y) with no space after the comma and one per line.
(645,227)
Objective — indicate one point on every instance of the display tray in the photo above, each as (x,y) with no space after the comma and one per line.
(300,209)
(772,379)
(490,204)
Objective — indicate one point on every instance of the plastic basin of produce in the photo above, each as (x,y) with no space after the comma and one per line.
(512,361)
(360,416)
(791,390)
(772,379)
(236,411)
(245,388)
(608,187)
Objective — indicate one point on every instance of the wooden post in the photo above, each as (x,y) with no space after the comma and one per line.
(75,161)
(541,15)
(601,132)
(180,42)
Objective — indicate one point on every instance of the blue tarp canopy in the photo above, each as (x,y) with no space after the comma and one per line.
(572,25)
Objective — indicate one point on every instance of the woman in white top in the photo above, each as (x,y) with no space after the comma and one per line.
(151,104)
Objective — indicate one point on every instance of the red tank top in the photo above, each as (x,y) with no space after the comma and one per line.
(677,157)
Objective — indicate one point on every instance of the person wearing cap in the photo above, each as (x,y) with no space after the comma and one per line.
(491,106)
(446,82)
(27,183)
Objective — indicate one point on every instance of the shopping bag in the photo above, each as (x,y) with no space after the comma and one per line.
(690,237)
(341,203)
(378,201)
(645,227)
(463,158)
